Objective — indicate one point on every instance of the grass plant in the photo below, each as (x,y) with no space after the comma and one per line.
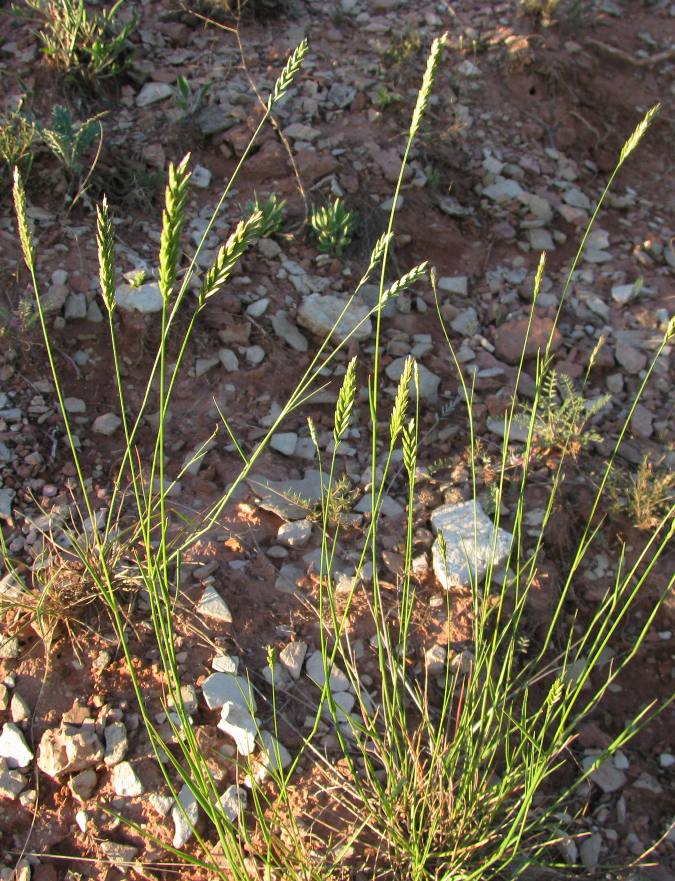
(445,777)
(17,138)
(93,46)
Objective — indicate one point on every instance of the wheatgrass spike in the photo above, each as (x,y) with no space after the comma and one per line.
(345,401)
(105,240)
(288,74)
(173,220)
(25,236)
(427,83)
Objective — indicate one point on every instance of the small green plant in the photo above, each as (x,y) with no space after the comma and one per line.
(646,495)
(70,141)
(92,45)
(17,137)
(403,48)
(333,226)
(384,98)
(138,278)
(273,210)
(542,8)
(561,415)
(188,100)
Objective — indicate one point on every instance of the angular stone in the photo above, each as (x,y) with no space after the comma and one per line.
(126,781)
(540,239)
(503,191)
(466,322)
(219,688)
(288,332)
(237,722)
(82,785)
(119,855)
(145,298)
(284,442)
(229,360)
(510,338)
(153,92)
(641,423)
(76,307)
(212,605)
(319,313)
(630,358)
(470,544)
(11,782)
(279,496)
(13,747)
(291,657)
(434,660)
(116,743)
(457,284)
(428,381)
(106,423)
(233,802)
(184,814)
(296,534)
(274,756)
(606,776)
(314,669)
(344,704)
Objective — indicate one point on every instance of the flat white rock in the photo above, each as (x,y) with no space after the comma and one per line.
(145,298)
(13,747)
(153,92)
(337,680)
(184,814)
(319,313)
(292,656)
(220,688)
(212,605)
(470,544)
(238,723)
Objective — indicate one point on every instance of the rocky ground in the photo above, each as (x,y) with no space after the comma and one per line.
(523,130)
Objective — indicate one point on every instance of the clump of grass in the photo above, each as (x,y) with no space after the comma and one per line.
(333,226)
(188,99)
(646,495)
(93,46)
(543,8)
(442,779)
(17,139)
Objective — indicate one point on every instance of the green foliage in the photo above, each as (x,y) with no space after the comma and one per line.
(541,8)
(646,495)
(333,226)
(188,100)
(561,414)
(273,210)
(70,141)
(384,98)
(93,46)
(17,137)
(402,48)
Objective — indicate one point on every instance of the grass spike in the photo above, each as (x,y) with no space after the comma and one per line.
(230,254)
(427,83)
(639,133)
(173,220)
(106,254)
(405,281)
(25,236)
(345,402)
(401,400)
(288,74)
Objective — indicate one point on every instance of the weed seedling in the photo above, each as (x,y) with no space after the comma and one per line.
(188,100)
(562,414)
(68,140)
(333,226)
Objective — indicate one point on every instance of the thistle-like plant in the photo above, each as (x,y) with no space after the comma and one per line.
(561,415)
(68,140)
(333,226)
